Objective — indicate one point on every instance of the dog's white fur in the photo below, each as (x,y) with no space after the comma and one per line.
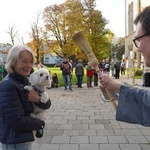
(39,79)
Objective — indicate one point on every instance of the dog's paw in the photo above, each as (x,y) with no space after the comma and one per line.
(44,97)
(28,88)
(40,116)
(33,115)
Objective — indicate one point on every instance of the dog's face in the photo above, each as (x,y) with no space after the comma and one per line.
(40,77)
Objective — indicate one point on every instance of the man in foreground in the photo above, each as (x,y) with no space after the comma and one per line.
(134,103)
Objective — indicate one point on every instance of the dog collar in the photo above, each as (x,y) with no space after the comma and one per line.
(37,90)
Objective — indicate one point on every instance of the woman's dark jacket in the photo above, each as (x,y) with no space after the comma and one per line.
(16,125)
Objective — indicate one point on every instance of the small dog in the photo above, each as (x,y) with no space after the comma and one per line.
(39,80)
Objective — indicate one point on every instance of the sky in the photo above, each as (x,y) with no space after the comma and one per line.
(22,14)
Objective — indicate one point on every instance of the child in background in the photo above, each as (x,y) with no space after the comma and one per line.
(55,80)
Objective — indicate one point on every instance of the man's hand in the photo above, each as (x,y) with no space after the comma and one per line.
(109,83)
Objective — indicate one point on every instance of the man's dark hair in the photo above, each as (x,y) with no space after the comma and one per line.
(144,19)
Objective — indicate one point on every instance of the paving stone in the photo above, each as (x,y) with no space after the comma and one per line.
(79,139)
(49,147)
(87,132)
(117,139)
(145,146)
(98,139)
(148,138)
(60,139)
(130,147)
(89,147)
(69,147)
(96,126)
(109,147)
(137,139)
(105,132)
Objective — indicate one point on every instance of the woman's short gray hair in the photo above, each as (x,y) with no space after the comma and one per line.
(13,56)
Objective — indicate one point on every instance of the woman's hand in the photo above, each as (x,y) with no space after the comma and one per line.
(33,96)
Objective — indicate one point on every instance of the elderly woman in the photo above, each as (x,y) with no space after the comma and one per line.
(16,125)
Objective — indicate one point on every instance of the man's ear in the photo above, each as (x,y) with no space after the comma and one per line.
(33,78)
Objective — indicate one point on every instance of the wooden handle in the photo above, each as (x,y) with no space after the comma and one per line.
(111,98)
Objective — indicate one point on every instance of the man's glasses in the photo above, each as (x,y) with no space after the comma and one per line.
(137,41)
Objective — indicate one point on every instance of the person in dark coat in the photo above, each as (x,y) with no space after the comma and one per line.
(117,70)
(102,65)
(16,124)
(79,71)
(95,78)
(66,71)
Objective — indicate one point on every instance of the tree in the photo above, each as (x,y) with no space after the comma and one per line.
(13,33)
(74,16)
(98,36)
(14,36)
(119,48)
(37,43)
(54,21)
(62,21)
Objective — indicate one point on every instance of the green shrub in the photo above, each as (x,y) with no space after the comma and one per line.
(138,72)
(129,71)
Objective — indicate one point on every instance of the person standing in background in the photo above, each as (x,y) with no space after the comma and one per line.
(123,67)
(66,70)
(72,65)
(117,70)
(79,72)
(102,65)
(89,74)
(71,69)
(40,65)
(106,67)
(112,68)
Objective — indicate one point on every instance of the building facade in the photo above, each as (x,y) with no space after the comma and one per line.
(52,59)
(132,9)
